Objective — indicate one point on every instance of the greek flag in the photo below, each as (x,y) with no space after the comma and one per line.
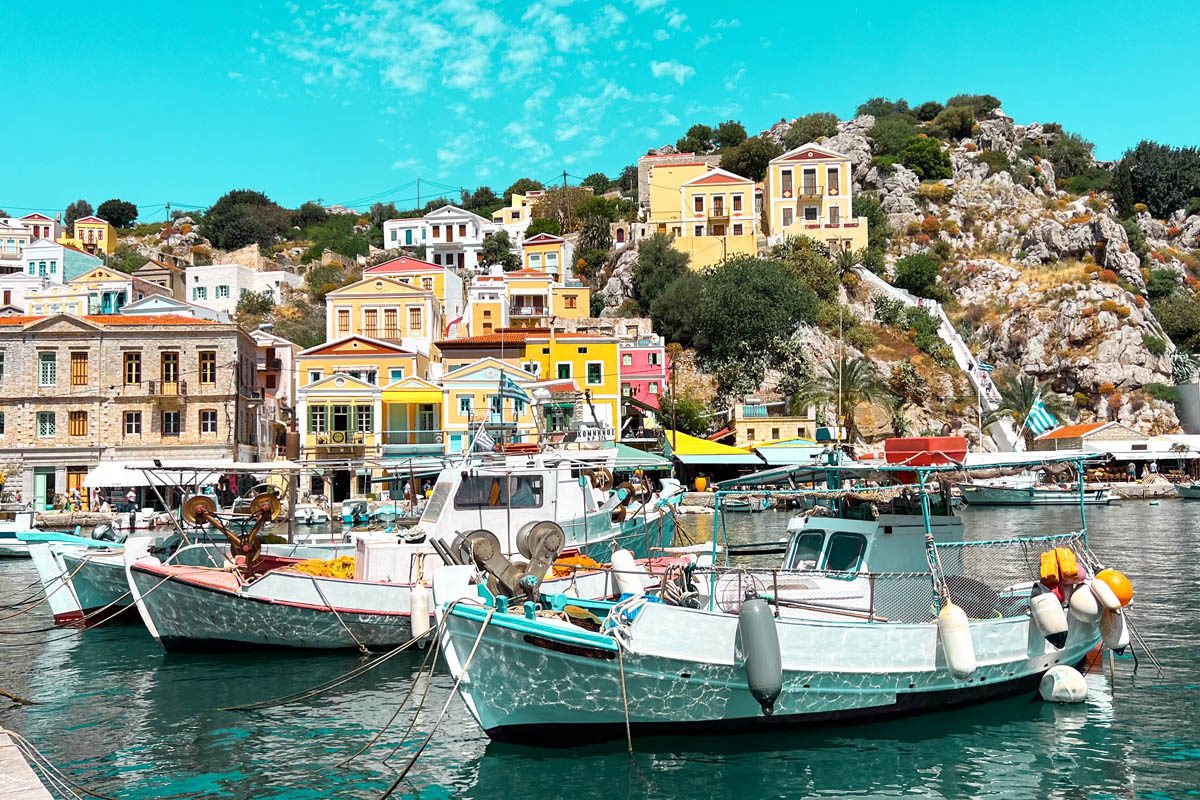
(510,389)
(1039,420)
(484,441)
(985,367)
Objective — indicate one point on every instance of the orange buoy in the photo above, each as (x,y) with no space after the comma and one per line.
(1120,585)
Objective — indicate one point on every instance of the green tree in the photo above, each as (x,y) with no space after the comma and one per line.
(927,112)
(918,274)
(809,128)
(810,260)
(126,259)
(1179,315)
(1164,178)
(309,214)
(954,122)
(598,182)
(628,182)
(658,265)
(1071,155)
(882,107)
(594,233)
(243,217)
(1122,190)
(118,213)
(521,186)
(678,309)
(699,139)
(1018,393)
(686,412)
(322,280)
(845,387)
(255,304)
(890,135)
(729,134)
(77,210)
(304,323)
(750,158)
(483,199)
(751,305)
(879,230)
(382,212)
(543,225)
(924,156)
(497,249)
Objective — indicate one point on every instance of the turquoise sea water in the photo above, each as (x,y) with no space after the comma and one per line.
(123,718)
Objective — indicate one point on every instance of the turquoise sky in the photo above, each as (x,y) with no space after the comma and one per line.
(350,102)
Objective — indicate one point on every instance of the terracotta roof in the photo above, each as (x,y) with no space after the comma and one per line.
(16,321)
(666,155)
(402,264)
(76,249)
(1072,431)
(147,319)
(505,337)
(566,386)
(528,273)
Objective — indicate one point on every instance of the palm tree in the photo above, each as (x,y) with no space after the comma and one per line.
(846,261)
(1018,393)
(860,385)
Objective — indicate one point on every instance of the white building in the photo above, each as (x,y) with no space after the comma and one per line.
(42,227)
(14,238)
(276,364)
(58,262)
(220,286)
(452,236)
(15,286)
(165,304)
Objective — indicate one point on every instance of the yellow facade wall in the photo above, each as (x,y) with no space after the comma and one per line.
(486,317)
(705,251)
(571,302)
(347,311)
(665,183)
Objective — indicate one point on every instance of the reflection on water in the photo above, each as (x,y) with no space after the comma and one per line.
(124,718)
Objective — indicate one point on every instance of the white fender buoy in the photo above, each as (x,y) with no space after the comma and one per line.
(1084,605)
(419,610)
(1063,684)
(626,573)
(757,647)
(1104,593)
(955,632)
(1048,614)
(1114,632)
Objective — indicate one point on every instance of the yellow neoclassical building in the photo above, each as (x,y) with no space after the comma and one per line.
(440,279)
(808,192)
(92,235)
(385,308)
(708,212)
(471,398)
(588,360)
(518,209)
(525,298)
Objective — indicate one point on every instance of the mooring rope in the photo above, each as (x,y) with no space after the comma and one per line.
(453,691)
(52,773)
(16,698)
(47,595)
(420,705)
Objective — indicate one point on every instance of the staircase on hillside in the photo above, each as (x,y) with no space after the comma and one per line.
(1003,433)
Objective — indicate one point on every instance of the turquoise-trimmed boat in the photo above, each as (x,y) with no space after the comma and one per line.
(879,612)
(1188,491)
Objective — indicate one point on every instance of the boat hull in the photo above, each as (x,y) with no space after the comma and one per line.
(187,614)
(1191,492)
(98,582)
(1006,496)
(532,681)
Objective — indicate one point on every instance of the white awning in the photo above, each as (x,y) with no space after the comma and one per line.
(191,472)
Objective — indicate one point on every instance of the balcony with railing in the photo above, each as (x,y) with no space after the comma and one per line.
(528,307)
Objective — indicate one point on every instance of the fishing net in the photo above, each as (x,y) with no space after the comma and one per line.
(342,567)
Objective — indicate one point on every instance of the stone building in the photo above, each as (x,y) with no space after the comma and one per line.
(78,390)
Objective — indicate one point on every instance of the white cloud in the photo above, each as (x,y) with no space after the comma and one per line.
(646,5)
(661,36)
(566,133)
(456,149)
(727,23)
(668,119)
(707,39)
(406,163)
(534,102)
(731,81)
(671,69)
(676,19)
(616,18)
(237,76)
(522,139)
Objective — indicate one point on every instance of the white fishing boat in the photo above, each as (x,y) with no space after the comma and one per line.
(748,504)
(311,514)
(271,601)
(874,612)
(1025,490)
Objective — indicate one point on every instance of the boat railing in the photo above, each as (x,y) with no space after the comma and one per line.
(989,579)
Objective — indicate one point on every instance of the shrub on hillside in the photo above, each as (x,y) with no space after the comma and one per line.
(955,122)
(927,112)
(995,160)
(890,134)
(1162,392)
(879,230)
(882,107)
(1108,276)
(1109,306)
(918,274)
(1071,154)
(1094,179)
(1154,344)
(979,104)
(924,156)
(888,311)
(1163,178)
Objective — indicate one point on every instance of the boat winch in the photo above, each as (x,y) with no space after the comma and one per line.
(540,542)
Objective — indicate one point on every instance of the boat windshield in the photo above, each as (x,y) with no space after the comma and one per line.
(845,552)
(808,550)
(495,491)
(437,501)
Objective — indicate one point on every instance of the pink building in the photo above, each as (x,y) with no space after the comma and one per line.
(642,370)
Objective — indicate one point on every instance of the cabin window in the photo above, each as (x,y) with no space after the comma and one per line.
(845,552)
(807,551)
(495,491)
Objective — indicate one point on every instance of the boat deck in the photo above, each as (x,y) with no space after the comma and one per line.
(18,781)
